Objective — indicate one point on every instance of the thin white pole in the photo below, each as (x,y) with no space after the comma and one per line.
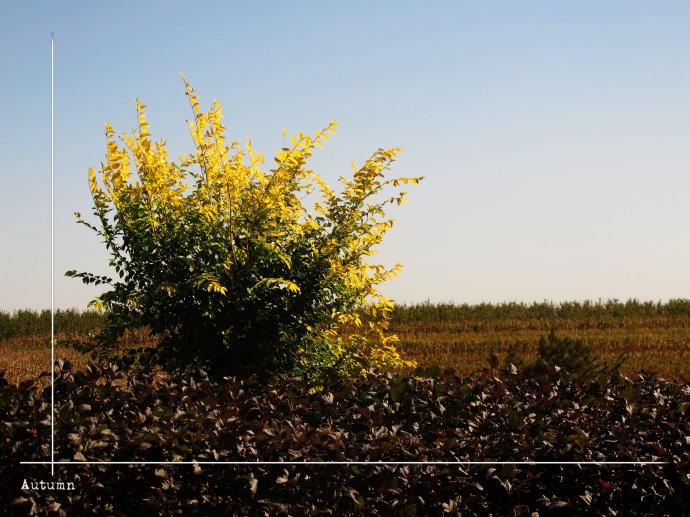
(52,303)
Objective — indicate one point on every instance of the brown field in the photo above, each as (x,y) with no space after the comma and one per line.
(658,345)
(664,351)
(23,358)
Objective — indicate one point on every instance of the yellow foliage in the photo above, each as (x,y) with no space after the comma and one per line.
(224,185)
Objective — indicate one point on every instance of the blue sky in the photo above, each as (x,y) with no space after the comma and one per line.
(553,135)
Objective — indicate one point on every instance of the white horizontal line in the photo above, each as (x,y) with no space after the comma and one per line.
(344,462)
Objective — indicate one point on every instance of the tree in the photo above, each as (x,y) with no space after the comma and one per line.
(230,265)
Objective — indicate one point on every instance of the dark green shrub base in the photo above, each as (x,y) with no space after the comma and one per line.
(577,360)
(106,415)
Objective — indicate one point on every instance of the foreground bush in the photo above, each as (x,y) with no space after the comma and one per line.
(102,414)
(242,270)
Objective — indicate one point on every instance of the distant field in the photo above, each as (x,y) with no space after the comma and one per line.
(655,337)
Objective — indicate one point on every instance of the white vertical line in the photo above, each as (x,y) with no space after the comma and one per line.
(52,305)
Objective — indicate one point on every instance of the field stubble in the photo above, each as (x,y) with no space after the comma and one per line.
(26,357)
(658,344)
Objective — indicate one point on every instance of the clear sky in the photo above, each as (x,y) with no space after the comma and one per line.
(554,136)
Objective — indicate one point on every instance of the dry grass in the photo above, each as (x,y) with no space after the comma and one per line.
(660,346)
(23,358)
(664,351)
